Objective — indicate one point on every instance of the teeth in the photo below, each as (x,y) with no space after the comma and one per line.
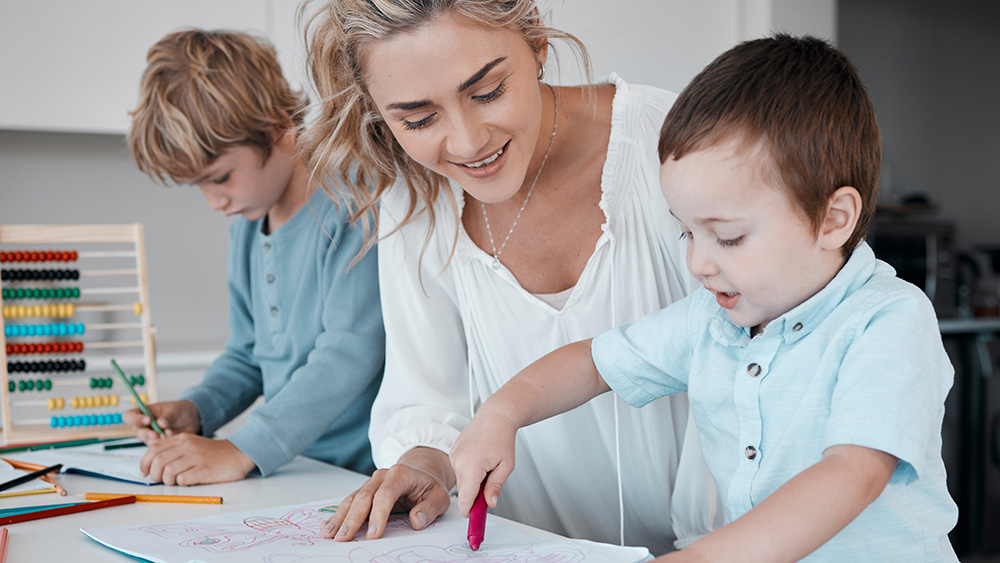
(487,160)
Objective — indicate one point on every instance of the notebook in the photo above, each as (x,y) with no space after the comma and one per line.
(92,459)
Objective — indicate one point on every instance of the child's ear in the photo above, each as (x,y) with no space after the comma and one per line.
(842,213)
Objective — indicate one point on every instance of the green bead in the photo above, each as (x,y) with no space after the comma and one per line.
(40,384)
(20,385)
(142,379)
(76,292)
(29,385)
(11,386)
(93,383)
(48,384)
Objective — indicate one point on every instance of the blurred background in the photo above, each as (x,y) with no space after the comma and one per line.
(70,73)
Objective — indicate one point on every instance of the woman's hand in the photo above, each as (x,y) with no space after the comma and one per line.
(484,450)
(419,483)
(174,417)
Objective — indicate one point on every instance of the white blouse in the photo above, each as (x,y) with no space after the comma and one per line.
(459,330)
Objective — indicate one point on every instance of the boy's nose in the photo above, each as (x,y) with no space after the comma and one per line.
(216,201)
(700,263)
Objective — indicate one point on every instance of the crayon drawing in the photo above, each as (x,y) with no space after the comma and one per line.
(290,534)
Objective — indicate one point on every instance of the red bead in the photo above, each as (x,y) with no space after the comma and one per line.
(72,256)
(3,256)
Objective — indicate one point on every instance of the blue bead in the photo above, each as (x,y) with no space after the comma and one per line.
(118,418)
(53,423)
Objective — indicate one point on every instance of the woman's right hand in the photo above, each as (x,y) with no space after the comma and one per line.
(174,417)
(418,483)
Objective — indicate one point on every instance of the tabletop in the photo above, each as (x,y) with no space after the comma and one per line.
(57,538)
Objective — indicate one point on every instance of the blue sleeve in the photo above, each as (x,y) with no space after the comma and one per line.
(892,385)
(345,362)
(649,358)
(234,380)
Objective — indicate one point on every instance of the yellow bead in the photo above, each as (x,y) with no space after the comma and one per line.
(60,310)
(60,403)
(22,311)
(137,308)
(74,402)
(50,403)
(114,400)
(144,398)
(70,310)
(37,310)
(90,401)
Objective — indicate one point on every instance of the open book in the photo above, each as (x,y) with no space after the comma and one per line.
(120,464)
(291,533)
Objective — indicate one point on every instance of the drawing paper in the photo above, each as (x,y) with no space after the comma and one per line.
(290,534)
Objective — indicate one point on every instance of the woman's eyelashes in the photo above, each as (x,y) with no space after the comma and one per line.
(486,98)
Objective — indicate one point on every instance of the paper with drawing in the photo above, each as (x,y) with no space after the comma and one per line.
(290,534)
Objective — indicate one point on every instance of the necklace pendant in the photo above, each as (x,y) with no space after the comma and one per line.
(496,263)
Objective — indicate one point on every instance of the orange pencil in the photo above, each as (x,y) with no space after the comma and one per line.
(156,498)
(3,544)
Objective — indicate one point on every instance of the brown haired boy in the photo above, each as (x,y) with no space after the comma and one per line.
(817,378)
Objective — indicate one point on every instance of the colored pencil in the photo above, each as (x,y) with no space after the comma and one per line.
(3,544)
(157,498)
(35,467)
(25,478)
(26,493)
(142,406)
(52,445)
(36,508)
(66,510)
(122,446)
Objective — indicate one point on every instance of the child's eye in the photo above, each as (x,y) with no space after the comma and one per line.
(414,125)
(223,179)
(731,242)
(490,96)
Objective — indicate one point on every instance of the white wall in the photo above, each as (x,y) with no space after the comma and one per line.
(68,82)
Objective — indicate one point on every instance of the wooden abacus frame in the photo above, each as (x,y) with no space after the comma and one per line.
(80,235)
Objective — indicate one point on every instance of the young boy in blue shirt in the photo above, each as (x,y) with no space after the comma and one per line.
(306,324)
(817,378)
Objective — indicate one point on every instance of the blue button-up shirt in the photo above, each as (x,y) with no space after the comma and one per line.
(861,363)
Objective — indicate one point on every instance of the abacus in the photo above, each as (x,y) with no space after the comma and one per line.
(66,314)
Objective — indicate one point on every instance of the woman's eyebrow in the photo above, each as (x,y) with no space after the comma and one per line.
(479,75)
(406,106)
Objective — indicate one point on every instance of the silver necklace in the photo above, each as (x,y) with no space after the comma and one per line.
(555,122)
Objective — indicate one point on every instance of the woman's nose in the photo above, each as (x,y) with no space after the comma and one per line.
(467,137)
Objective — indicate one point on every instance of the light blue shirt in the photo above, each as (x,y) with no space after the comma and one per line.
(861,362)
(306,333)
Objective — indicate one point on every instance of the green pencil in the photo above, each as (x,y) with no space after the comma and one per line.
(138,401)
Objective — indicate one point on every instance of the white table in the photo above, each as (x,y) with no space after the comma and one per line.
(58,539)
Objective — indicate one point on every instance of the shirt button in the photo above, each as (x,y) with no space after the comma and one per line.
(274,311)
(270,278)
(267,246)
(797,327)
(750,452)
(753,370)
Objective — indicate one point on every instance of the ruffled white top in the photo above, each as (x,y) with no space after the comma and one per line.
(459,330)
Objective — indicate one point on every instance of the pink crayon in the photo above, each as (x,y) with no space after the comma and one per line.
(477,520)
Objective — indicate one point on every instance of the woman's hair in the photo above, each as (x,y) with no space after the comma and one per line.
(349,141)
(203,92)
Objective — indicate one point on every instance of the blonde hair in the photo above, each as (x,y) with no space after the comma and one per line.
(349,139)
(203,92)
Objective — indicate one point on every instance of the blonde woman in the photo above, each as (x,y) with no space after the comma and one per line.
(514,217)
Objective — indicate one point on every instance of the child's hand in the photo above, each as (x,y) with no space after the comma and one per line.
(174,417)
(486,446)
(186,459)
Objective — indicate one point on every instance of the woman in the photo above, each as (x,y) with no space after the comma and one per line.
(514,217)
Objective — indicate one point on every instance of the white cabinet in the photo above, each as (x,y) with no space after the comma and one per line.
(75,66)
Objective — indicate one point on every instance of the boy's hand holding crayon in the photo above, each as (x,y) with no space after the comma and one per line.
(484,450)
(174,417)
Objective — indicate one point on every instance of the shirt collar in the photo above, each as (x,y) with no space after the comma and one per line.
(801,320)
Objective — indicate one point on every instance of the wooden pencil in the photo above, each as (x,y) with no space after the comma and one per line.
(25,493)
(157,498)
(66,510)
(28,477)
(3,544)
